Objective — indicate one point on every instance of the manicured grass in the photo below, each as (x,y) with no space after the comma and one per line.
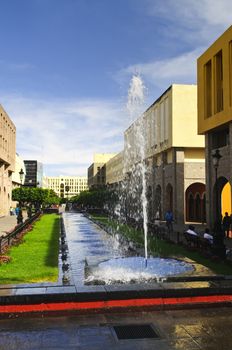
(165,249)
(36,259)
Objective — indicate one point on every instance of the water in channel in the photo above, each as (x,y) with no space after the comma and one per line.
(97,257)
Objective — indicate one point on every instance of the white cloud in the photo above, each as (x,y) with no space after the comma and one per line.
(162,73)
(202,20)
(65,134)
(194,23)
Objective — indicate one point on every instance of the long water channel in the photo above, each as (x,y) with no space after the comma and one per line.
(97,257)
(88,244)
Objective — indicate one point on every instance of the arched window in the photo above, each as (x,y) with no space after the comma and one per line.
(195,203)
(198,207)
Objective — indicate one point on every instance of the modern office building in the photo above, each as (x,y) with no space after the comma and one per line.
(7,160)
(97,170)
(174,155)
(215,122)
(34,173)
(66,186)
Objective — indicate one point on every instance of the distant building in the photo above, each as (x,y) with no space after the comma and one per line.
(114,169)
(214,80)
(97,170)
(7,160)
(34,173)
(19,164)
(66,186)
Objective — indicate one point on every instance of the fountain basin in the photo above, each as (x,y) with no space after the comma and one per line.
(134,270)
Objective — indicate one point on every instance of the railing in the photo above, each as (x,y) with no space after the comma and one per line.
(6,240)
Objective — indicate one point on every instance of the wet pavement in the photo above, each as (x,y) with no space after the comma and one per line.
(207,329)
(200,328)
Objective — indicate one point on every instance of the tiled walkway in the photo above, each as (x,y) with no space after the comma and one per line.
(206,329)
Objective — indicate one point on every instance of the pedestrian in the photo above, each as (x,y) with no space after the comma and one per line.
(169,220)
(17,210)
(208,236)
(191,231)
(226,222)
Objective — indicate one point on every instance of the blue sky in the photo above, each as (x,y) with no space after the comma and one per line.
(66,65)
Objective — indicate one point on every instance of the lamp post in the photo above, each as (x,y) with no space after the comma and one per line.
(218,233)
(67,188)
(216,159)
(20,215)
(21,173)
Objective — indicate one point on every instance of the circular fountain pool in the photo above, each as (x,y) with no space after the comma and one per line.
(133,270)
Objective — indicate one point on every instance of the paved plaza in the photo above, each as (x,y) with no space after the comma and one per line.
(207,329)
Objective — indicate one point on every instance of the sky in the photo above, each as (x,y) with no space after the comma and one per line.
(66,67)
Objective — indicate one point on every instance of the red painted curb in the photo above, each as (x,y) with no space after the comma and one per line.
(113,304)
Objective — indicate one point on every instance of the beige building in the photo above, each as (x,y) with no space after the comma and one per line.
(215,122)
(173,154)
(97,170)
(7,160)
(66,186)
(114,169)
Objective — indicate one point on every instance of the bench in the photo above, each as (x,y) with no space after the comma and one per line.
(191,240)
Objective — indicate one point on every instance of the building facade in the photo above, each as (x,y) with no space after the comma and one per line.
(97,170)
(114,169)
(7,160)
(173,155)
(66,186)
(34,173)
(215,122)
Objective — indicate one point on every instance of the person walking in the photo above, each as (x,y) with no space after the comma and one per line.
(169,220)
(226,222)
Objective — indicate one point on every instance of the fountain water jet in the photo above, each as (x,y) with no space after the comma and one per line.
(136,96)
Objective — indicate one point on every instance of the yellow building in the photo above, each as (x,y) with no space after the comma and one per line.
(174,154)
(97,170)
(215,121)
(66,186)
(7,160)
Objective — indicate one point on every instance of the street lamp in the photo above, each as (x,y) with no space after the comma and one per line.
(20,215)
(216,159)
(218,233)
(21,173)
(67,188)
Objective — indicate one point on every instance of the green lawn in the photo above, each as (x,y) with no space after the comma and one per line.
(36,259)
(158,247)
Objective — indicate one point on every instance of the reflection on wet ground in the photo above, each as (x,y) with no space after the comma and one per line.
(207,329)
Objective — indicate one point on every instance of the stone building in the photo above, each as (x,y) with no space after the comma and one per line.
(215,122)
(173,155)
(97,170)
(66,186)
(114,169)
(7,160)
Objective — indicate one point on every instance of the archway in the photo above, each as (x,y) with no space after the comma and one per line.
(224,197)
(195,210)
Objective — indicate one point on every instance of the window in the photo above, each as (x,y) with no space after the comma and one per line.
(208,89)
(220,138)
(218,101)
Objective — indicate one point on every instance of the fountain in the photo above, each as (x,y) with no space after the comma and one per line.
(110,264)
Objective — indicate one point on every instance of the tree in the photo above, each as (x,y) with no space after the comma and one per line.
(35,196)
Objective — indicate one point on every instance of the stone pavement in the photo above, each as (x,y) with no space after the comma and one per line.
(7,223)
(206,329)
